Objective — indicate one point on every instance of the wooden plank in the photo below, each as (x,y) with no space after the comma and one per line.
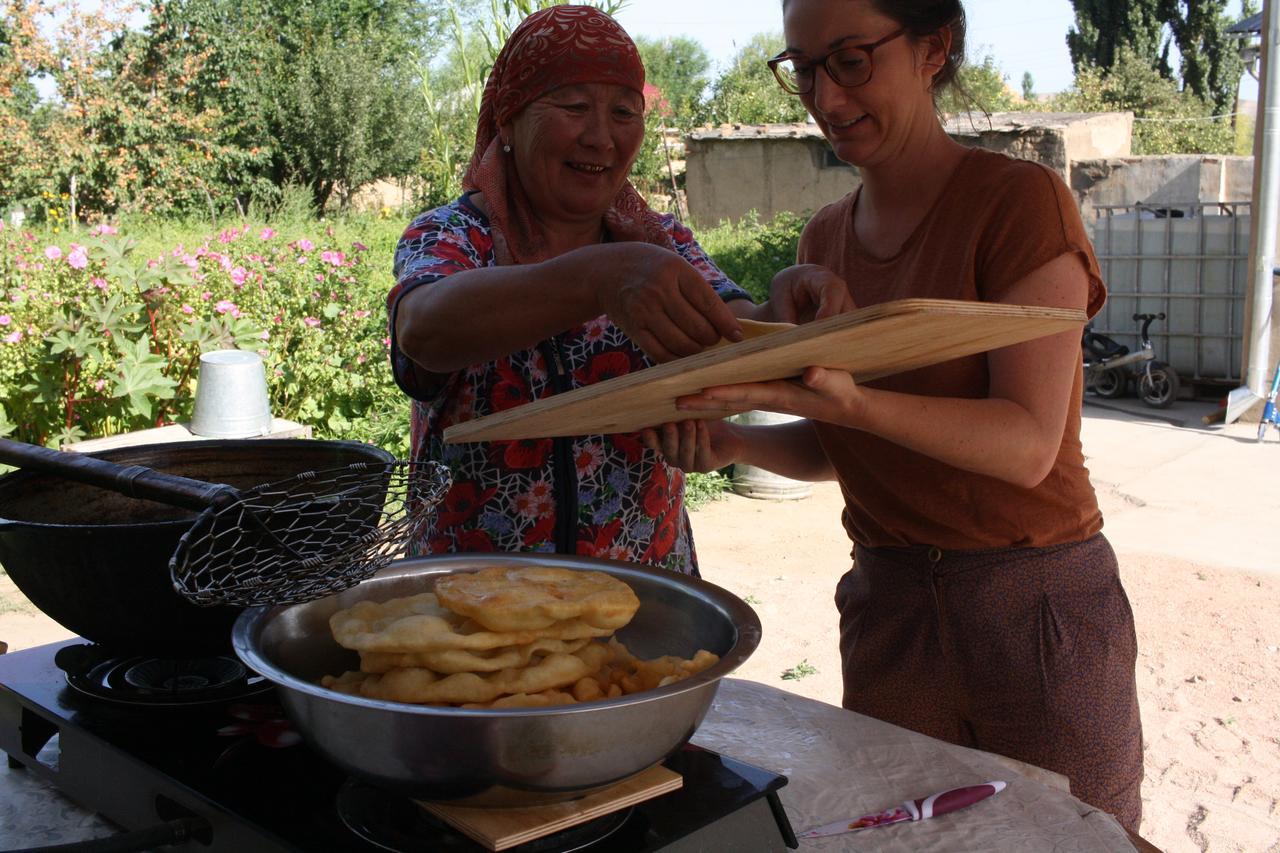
(280,428)
(500,829)
(870,343)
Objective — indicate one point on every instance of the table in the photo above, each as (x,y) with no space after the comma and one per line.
(840,764)
(280,428)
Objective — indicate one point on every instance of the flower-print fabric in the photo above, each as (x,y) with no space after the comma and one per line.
(509,495)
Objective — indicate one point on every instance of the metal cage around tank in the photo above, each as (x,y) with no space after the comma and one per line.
(1187,260)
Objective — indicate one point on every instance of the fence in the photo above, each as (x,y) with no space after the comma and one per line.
(1189,261)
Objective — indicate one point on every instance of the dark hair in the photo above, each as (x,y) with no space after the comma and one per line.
(923,18)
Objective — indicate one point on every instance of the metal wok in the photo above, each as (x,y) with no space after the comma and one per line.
(97,562)
(500,757)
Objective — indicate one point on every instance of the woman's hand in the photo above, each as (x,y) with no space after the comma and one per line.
(805,292)
(821,394)
(699,446)
(662,303)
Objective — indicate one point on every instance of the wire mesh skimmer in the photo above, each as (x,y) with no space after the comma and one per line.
(306,537)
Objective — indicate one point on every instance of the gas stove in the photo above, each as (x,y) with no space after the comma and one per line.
(205,752)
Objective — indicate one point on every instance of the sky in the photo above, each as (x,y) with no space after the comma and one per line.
(1022,35)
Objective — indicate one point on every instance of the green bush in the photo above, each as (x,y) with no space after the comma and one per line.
(101,331)
(751,252)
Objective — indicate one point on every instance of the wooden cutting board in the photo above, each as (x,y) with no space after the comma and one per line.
(869,343)
(501,829)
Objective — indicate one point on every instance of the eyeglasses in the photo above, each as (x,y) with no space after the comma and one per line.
(847,66)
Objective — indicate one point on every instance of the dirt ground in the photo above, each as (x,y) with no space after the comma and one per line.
(1192,513)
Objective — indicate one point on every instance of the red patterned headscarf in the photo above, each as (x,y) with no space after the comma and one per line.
(553,47)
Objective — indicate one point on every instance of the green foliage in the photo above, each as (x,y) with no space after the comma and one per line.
(1167,121)
(751,252)
(1209,65)
(679,68)
(1028,86)
(979,86)
(804,669)
(110,342)
(746,92)
(702,489)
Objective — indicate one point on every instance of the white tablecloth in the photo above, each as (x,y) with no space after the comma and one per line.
(840,765)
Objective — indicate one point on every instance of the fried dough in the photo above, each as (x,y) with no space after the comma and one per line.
(536,597)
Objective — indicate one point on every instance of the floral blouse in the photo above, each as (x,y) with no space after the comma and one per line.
(594,495)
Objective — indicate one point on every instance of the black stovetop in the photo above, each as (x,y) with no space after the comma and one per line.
(237,768)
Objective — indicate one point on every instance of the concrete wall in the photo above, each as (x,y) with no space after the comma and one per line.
(1160,181)
(726,178)
(731,170)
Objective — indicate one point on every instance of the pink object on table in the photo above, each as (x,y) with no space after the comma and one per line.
(912,810)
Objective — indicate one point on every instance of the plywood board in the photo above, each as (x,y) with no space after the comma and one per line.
(869,343)
(501,829)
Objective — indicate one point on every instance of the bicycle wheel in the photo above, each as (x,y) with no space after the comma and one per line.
(1158,386)
(1110,383)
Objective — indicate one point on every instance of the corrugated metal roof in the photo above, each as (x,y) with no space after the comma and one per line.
(1251,24)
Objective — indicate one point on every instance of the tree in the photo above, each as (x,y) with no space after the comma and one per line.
(1028,86)
(1102,27)
(746,93)
(1209,65)
(1168,121)
(979,86)
(680,69)
(317,87)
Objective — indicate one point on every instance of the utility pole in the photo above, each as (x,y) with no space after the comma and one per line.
(1266,207)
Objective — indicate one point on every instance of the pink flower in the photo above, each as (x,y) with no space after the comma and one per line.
(311,322)
(360,313)
(266,336)
(100,283)
(238,275)
(333,258)
(266,234)
(187,309)
(102,229)
(224,306)
(320,277)
(77,258)
(13,337)
(52,252)
(359,247)
(100,384)
(360,359)
(5,319)
(206,296)
(304,245)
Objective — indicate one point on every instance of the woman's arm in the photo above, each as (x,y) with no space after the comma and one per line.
(477,315)
(1014,434)
(791,450)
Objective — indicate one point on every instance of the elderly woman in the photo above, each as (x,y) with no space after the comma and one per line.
(550,273)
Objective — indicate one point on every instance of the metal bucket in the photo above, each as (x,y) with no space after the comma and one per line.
(231,396)
(752,482)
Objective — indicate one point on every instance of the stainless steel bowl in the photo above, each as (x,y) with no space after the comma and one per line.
(500,757)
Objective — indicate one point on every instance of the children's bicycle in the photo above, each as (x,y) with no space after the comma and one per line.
(1109,367)
(1269,413)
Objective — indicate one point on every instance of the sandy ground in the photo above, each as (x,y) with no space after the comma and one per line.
(1192,513)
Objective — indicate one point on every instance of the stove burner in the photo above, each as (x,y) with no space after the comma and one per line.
(395,823)
(183,676)
(157,682)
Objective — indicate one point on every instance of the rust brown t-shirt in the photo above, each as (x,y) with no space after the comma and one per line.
(997,220)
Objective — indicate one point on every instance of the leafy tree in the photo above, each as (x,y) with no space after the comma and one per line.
(1102,27)
(315,86)
(1209,66)
(1028,86)
(680,69)
(979,86)
(22,54)
(746,92)
(1168,121)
